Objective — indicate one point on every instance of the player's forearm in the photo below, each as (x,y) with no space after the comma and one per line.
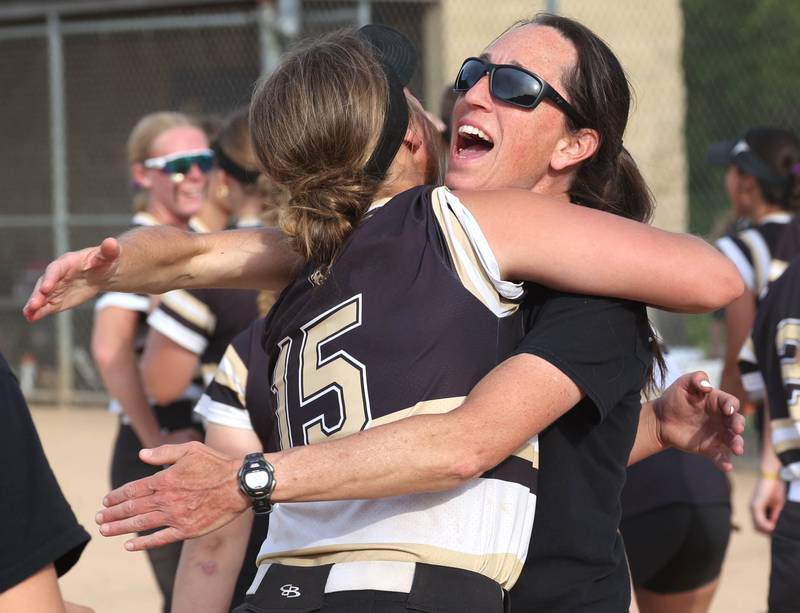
(38,592)
(118,364)
(209,567)
(770,463)
(410,456)
(153,259)
(123,382)
(647,441)
(427,453)
(159,259)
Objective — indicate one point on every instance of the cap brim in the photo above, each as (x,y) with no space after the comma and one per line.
(394,49)
(719,154)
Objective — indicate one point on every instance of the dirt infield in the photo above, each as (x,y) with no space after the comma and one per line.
(111,580)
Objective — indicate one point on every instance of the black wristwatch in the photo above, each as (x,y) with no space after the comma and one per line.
(257,482)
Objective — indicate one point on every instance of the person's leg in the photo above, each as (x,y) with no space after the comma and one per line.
(125,467)
(697,600)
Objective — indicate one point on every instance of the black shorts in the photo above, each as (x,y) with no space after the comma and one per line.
(678,547)
(784,589)
(435,589)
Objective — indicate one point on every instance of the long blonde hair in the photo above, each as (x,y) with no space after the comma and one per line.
(315,122)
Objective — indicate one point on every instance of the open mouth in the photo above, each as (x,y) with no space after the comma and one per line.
(472,141)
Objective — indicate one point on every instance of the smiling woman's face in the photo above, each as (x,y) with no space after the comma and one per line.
(182,199)
(498,145)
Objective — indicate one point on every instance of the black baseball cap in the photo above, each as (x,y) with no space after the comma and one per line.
(740,153)
(398,58)
(393,49)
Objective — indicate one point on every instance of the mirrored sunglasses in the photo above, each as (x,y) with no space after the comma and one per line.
(182,161)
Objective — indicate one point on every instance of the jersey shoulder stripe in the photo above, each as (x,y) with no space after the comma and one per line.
(736,251)
(178,330)
(193,311)
(472,256)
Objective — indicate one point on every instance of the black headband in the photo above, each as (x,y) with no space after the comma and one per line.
(398,59)
(241,174)
(394,129)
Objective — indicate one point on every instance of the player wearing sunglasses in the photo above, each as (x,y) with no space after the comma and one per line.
(512,84)
(169,159)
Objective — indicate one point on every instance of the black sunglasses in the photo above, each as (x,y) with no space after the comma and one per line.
(512,84)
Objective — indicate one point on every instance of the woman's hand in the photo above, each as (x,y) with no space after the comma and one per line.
(72,279)
(767,502)
(693,416)
(198,493)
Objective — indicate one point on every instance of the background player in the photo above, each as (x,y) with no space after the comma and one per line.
(169,158)
(761,186)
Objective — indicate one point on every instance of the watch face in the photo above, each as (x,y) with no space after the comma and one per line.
(256,480)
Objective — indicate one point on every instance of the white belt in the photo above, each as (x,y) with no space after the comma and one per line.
(366,575)
(794,491)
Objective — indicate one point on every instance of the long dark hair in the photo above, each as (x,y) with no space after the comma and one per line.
(609,180)
(598,88)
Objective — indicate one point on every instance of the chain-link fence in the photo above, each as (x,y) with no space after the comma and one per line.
(76,75)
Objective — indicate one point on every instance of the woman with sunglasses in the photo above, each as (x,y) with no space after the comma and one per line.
(169,158)
(445,447)
(195,325)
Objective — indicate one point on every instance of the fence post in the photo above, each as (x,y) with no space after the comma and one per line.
(364,12)
(274,25)
(58,141)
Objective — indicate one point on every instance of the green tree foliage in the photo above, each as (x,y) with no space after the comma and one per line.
(742,68)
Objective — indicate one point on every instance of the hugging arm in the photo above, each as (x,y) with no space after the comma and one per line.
(534,238)
(574,248)
(157,259)
(200,493)
(516,400)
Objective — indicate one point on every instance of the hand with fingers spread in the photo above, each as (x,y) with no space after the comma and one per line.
(197,494)
(72,279)
(693,416)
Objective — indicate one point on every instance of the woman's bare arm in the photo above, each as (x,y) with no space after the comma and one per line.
(534,238)
(167,368)
(495,420)
(577,249)
(739,317)
(157,259)
(113,338)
